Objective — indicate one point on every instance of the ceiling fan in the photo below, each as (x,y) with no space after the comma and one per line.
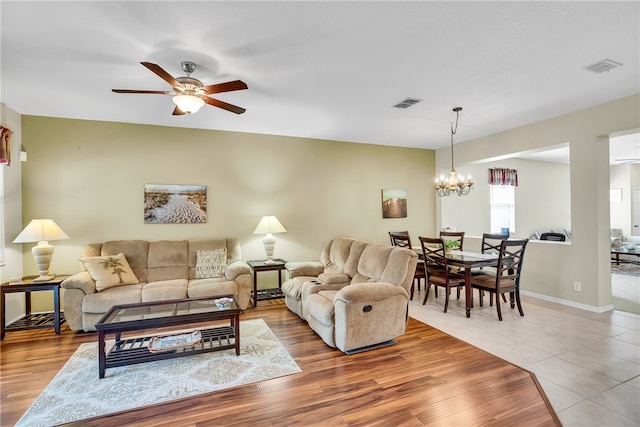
(188,93)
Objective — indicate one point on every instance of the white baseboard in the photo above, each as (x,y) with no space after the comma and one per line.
(591,308)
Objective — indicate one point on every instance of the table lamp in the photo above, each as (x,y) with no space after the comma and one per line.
(41,230)
(269,225)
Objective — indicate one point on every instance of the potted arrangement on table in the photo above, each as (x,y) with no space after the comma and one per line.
(450,245)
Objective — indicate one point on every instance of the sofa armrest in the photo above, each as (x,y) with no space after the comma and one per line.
(367,292)
(236,269)
(82,281)
(304,268)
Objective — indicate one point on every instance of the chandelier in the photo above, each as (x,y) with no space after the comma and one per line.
(456,183)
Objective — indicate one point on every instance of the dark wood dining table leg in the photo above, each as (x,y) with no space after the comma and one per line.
(468,296)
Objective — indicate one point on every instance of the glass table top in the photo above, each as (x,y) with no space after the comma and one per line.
(158,310)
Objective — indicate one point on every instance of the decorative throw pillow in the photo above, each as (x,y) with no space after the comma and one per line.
(211,263)
(109,271)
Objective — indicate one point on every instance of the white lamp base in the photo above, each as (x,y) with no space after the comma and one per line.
(269,243)
(43,254)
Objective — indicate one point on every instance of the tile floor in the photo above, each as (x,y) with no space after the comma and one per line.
(588,363)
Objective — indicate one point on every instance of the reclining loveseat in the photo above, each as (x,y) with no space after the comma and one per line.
(356,297)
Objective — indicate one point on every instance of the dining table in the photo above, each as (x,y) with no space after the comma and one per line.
(467,261)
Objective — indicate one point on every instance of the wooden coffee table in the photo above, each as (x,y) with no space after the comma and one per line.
(163,314)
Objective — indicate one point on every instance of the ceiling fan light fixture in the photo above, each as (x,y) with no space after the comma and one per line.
(188,103)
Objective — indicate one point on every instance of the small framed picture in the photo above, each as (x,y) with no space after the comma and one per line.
(394,203)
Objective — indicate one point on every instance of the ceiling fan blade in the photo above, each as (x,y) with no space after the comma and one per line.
(161,73)
(159,92)
(225,106)
(225,87)
(177,112)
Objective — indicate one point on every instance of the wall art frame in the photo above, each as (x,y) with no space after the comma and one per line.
(175,204)
(394,203)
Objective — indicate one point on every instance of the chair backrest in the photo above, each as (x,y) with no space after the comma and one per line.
(491,242)
(457,236)
(400,239)
(433,252)
(556,237)
(510,262)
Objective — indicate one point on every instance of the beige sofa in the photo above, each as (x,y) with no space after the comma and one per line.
(356,296)
(158,271)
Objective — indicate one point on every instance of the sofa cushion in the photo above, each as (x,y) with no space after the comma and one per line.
(167,260)
(320,306)
(211,263)
(109,271)
(292,286)
(136,251)
(165,290)
(341,255)
(102,302)
(211,287)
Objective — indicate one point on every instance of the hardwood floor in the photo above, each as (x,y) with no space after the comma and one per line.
(428,378)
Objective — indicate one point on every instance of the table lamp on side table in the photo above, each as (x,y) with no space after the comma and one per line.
(41,231)
(269,225)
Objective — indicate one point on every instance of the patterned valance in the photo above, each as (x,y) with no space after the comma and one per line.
(5,147)
(500,176)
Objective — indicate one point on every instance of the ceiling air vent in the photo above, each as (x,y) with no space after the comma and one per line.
(406,103)
(602,66)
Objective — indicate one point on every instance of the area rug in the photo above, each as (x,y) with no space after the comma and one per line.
(626,268)
(76,393)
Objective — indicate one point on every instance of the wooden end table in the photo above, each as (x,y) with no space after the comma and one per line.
(262,265)
(32,320)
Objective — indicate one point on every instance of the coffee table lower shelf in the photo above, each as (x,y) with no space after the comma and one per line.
(136,350)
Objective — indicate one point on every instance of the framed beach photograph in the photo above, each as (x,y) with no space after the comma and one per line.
(175,204)
(394,203)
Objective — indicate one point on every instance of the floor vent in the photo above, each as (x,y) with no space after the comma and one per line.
(408,102)
(602,66)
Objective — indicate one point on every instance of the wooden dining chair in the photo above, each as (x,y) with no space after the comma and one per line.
(457,236)
(491,243)
(437,271)
(507,277)
(402,239)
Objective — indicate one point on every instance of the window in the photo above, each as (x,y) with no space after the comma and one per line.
(503,208)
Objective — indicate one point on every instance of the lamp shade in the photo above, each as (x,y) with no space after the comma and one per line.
(188,103)
(269,225)
(40,230)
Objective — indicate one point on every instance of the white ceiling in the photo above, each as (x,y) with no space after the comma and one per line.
(328,70)
(622,149)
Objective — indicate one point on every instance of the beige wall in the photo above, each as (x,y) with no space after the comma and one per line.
(89,177)
(543,198)
(587,258)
